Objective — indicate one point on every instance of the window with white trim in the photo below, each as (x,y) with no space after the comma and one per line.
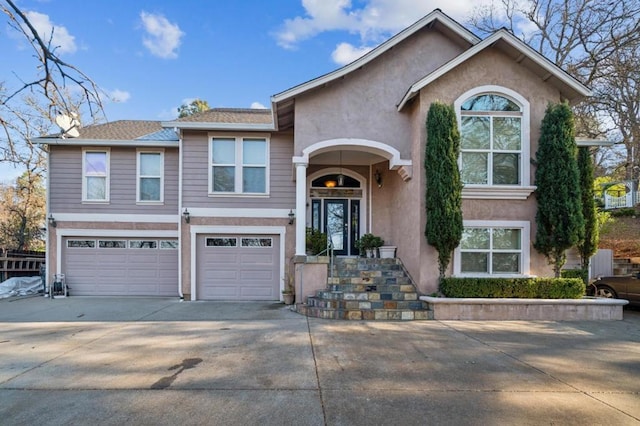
(95,175)
(150,183)
(238,165)
(499,248)
(491,141)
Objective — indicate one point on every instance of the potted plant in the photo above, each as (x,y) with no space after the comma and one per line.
(316,241)
(368,243)
(289,292)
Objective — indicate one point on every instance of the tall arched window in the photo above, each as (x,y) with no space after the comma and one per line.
(491,140)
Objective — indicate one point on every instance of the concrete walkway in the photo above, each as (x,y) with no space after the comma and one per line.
(160,361)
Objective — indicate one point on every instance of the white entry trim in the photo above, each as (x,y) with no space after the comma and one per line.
(124,233)
(106,217)
(203,229)
(238,212)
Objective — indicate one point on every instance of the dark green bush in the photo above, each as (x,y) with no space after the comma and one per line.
(624,212)
(526,288)
(583,274)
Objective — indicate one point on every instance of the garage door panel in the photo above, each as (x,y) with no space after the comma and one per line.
(108,271)
(240,272)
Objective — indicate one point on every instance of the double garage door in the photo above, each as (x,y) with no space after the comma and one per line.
(237,267)
(120,266)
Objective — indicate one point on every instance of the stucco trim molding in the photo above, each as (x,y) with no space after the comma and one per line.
(498,193)
(362,145)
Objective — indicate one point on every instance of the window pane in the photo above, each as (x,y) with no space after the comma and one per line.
(96,188)
(223,151)
(253,179)
(221,242)
(475,238)
(256,242)
(506,239)
(475,133)
(95,163)
(224,179)
(489,103)
(112,244)
(150,164)
(150,189)
(506,169)
(254,151)
(506,263)
(143,244)
(169,244)
(81,244)
(474,168)
(474,262)
(506,133)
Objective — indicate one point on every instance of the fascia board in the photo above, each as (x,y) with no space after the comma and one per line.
(103,142)
(218,126)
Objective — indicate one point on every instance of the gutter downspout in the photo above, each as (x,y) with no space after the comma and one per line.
(180,216)
(46,223)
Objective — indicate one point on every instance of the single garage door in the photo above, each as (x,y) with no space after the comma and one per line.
(120,266)
(238,267)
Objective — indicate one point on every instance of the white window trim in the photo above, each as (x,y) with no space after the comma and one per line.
(505,192)
(138,176)
(525,235)
(239,165)
(85,200)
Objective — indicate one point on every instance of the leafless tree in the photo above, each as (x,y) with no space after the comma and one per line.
(593,41)
(49,89)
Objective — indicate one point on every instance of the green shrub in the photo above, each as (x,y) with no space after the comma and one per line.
(624,212)
(526,288)
(316,241)
(583,274)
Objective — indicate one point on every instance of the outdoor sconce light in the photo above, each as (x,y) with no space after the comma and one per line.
(187,216)
(52,221)
(292,216)
(378,177)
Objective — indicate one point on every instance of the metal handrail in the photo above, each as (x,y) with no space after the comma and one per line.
(329,252)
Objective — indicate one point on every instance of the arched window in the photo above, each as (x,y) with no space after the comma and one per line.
(491,140)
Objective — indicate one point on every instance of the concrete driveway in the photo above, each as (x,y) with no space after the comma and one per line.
(160,361)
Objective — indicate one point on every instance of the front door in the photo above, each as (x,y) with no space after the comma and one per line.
(341,222)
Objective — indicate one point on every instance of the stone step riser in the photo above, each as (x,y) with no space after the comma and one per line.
(362,305)
(366,296)
(369,315)
(367,288)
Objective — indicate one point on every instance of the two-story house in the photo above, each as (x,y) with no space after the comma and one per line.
(214,206)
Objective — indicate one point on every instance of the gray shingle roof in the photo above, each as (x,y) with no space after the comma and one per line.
(231,115)
(121,130)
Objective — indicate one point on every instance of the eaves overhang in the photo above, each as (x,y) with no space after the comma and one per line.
(104,142)
(253,127)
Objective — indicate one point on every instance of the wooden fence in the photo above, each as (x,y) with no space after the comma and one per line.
(20,263)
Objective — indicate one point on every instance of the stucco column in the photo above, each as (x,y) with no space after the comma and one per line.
(301,208)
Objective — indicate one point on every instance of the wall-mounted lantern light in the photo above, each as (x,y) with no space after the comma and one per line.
(52,221)
(187,215)
(292,216)
(378,177)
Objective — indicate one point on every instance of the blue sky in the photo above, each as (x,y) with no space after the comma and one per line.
(151,56)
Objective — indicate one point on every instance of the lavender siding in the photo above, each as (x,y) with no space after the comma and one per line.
(282,192)
(66,182)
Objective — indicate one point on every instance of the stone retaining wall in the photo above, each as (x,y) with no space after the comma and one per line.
(525,309)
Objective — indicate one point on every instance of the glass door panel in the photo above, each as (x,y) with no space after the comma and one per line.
(336,219)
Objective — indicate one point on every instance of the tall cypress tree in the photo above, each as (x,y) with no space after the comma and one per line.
(559,217)
(589,244)
(444,186)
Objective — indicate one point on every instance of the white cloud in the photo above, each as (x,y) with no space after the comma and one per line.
(60,38)
(374,21)
(118,95)
(162,37)
(257,105)
(346,53)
